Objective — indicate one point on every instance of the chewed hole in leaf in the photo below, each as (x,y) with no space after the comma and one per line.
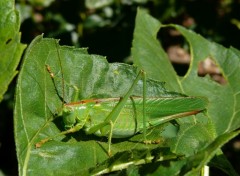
(177,49)
(208,67)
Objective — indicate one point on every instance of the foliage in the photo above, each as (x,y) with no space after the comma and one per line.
(187,147)
(10,46)
(84,22)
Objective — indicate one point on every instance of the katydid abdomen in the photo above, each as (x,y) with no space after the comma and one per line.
(91,113)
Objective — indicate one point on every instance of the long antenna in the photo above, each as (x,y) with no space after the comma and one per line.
(61,69)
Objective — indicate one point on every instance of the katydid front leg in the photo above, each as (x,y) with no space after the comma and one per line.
(71,130)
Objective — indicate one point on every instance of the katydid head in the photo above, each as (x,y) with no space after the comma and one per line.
(69,118)
(76,114)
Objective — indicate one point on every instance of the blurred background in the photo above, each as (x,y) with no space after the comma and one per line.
(106,27)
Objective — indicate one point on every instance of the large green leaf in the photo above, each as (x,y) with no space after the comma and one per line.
(10,47)
(39,98)
(223,110)
(149,55)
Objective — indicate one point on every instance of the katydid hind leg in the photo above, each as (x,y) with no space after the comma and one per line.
(117,109)
(112,117)
(165,119)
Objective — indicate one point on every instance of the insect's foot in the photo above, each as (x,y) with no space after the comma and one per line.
(147,141)
(39,144)
(152,141)
(109,153)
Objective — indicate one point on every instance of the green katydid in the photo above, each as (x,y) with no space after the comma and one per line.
(126,116)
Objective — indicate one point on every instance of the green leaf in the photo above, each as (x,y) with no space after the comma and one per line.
(197,161)
(220,161)
(148,54)
(10,46)
(173,168)
(39,98)
(224,109)
(223,112)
